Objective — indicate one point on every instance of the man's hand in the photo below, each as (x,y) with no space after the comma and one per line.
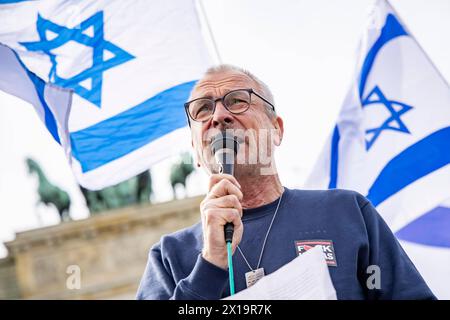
(222,204)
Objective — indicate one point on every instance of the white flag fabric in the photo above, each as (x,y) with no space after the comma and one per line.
(392,143)
(129,65)
(51,103)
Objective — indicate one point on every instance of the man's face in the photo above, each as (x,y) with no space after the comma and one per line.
(254,127)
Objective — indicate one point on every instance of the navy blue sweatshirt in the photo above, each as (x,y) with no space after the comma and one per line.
(352,234)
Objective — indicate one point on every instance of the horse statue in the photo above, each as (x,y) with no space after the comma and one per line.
(49,193)
(136,190)
(180,171)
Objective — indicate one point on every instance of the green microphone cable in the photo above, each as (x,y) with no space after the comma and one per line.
(230,267)
(229,230)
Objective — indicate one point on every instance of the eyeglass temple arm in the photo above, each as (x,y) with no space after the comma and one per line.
(263,99)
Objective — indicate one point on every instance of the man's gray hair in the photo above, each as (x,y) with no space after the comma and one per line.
(262,88)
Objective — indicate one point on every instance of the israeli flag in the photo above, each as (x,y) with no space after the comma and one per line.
(108,78)
(392,143)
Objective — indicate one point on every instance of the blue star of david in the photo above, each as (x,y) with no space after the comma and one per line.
(393,122)
(78,34)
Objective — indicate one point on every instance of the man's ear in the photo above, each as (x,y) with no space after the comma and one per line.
(196,161)
(279,127)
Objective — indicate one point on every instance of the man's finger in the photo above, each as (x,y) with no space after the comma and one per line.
(228,201)
(225,187)
(215,178)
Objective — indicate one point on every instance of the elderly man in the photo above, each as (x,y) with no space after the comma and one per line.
(272,224)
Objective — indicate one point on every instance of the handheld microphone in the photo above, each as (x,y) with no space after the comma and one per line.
(225,147)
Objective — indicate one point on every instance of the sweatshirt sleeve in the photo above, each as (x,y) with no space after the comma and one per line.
(398,277)
(205,282)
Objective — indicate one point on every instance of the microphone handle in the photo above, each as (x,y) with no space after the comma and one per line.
(229,227)
(229,230)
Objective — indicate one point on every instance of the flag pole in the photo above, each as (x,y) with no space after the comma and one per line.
(208,27)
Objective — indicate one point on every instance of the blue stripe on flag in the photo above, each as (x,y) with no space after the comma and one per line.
(334,158)
(117,136)
(391,30)
(12,1)
(415,162)
(432,229)
(39,84)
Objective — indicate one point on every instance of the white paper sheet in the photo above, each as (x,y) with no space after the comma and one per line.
(304,278)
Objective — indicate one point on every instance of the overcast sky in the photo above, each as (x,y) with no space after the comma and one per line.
(304,50)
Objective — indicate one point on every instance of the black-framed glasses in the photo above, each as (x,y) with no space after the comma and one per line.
(236,101)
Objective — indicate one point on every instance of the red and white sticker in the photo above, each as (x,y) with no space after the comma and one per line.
(301,246)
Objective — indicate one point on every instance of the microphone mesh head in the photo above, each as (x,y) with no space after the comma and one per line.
(224,140)
(224,147)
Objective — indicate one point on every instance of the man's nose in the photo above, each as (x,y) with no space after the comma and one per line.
(222,118)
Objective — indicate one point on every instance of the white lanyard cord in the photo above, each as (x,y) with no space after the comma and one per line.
(265,239)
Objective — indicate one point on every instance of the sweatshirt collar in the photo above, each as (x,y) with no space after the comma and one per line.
(269,208)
